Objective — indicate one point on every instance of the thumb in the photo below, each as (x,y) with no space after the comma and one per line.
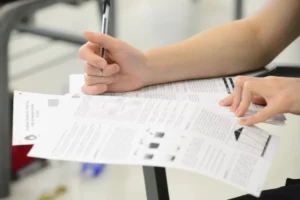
(261,116)
(101,39)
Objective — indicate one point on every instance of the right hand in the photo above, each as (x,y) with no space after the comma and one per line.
(124,68)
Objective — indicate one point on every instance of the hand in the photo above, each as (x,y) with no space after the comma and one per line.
(280,95)
(123,69)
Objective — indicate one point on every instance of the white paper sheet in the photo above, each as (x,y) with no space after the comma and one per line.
(155,132)
(76,81)
(32,112)
(178,125)
(216,85)
(208,92)
(208,99)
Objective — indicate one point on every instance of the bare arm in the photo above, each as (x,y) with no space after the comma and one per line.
(232,48)
(229,49)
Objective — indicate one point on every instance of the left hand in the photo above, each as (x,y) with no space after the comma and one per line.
(280,95)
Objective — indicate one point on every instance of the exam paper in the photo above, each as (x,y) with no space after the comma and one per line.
(216,85)
(206,99)
(207,92)
(32,113)
(159,132)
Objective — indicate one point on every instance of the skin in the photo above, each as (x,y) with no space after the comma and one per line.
(229,49)
(279,95)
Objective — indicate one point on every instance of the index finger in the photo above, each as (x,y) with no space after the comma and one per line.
(102,40)
(89,54)
(238,89)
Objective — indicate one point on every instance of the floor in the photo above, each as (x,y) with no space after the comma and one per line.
(40,65)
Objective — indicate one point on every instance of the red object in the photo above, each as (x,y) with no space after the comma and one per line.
(20,158)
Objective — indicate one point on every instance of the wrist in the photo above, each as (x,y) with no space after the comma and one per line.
(152,70)
(294,98)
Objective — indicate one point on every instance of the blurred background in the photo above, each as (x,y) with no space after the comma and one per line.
(141,23)
(39,64)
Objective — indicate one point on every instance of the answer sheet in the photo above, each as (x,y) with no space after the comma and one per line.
(158,132)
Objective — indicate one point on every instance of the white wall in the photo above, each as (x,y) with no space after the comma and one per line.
(150,23)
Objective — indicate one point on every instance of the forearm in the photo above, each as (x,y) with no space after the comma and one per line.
(231,48)
(224,50)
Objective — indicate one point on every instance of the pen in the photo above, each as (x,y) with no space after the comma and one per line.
(105,18)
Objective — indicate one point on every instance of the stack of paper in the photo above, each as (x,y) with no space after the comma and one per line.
(178,125)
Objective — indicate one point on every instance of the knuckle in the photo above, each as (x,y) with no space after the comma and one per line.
(116,68)
(113,70)
(81,51)
(111,79)
(99,36)
(88,80)
(88,69)
(239,80)
(94,60)
(247,85)
(117,43)
(244,105)
(271,79)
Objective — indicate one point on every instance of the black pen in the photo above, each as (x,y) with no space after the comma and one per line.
(105,19)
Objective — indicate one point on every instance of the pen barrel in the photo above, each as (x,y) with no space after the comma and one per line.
(105,21)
